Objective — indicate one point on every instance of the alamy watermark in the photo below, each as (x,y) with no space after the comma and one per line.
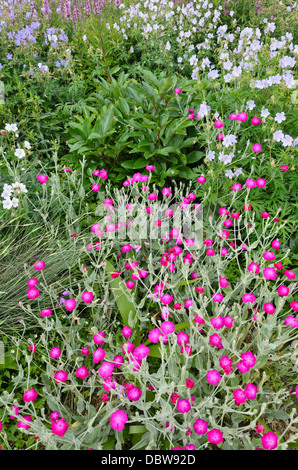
(141,222)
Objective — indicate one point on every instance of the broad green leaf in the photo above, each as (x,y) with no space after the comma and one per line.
(123,303)
(137,429)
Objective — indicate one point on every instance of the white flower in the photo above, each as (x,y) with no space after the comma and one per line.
(204,109)
(27,145)
(228,65)
(264,113)
(251,105)
(168,46)
(15,202)
(287,141)
(280,117)
(278,136)
(238,172)
(213,74)
(7,204)
(6,194)
(228,77)
(236,72)
(287,61)
(11,127)
(229,140)
(229,174)
(193,60)
(210,155)
(20,153)
(84,37)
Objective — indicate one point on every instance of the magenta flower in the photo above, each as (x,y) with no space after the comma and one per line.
(290,274)
(134,394)
(167,327)
(261,183)
(130,284)
(242,117)
(253,268)
(269,308)
(294,305)
(217,322)
(256,121)
(82,372)
(236,187)
(250,183)
(215,436)
(61,376)
(103,174)
(106,369)
(24,424)
(95,187)
(166,299)
(223,282)
(118,420)
(98,338)
(70,304)
(217,297)
(32,282)
(248,298)
(46,312)
(99,355)
(30,395)
(15,411)
(126,331)
(55,352)
(127,347)
(118,361)
(188,303)
(270,440)
(182,338)
(213,377)
(201,179)
(251,391)
(284,168)
(283,291)
(32,348)
(85,351)
(225,362)
(33,293)
(248,359)
(42,178)
(183,405)
(239,396)
(87,297)
(154,335)
(39,265)
(218,124)
(215,340)
(269,273)
(268,256)
(59,427)
(141,352)
(200,427)
(257,148)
